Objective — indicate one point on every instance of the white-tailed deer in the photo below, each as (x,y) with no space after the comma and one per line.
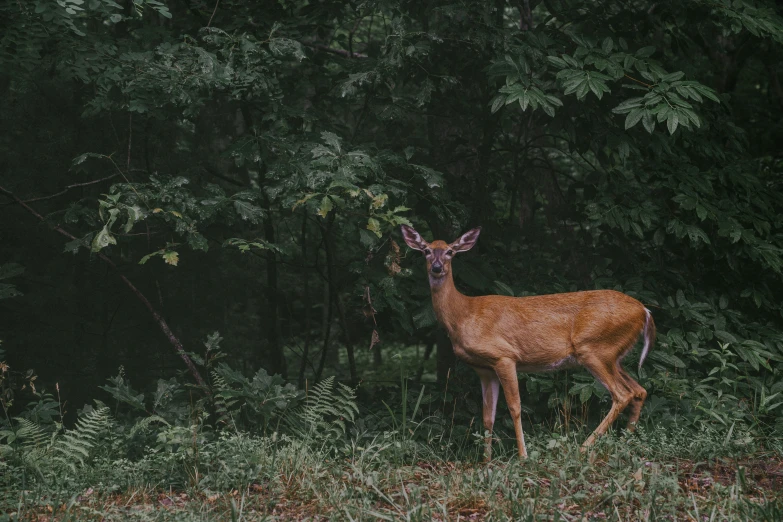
(499,335)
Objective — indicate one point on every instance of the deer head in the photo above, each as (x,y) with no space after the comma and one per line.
(439,253)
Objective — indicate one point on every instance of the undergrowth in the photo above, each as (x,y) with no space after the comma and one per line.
(254,448)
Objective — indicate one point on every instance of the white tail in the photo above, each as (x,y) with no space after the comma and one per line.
(649,336)
(500,335)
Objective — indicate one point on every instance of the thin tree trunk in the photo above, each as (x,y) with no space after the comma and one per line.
(306,301)
(277,357)
(427,353)
(327,329)
(347,338)
(446,358)
(336,297)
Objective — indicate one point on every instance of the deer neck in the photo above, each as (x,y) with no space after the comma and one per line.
(449,304)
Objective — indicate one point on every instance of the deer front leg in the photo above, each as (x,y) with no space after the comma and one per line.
(506,370)
(490,390)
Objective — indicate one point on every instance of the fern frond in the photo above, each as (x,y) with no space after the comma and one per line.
(324,414)
(74,446)
(145,423)
(31,435)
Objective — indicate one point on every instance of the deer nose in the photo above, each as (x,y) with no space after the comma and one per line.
(437,268)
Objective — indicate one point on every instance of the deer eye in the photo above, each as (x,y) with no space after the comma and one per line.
(427,251)
(450,253)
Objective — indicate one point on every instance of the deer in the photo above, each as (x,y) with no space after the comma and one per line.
(499,336)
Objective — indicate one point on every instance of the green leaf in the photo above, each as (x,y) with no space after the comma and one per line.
(583,89)
(374,226)
(628,104)
(673,77)
(648,121)
(595,86)
(326,206)
(696,233)
(367,239)
(633,117)
(10,270)
(248,211)
(672,121)
(497,103)
(171,257)
(146,258)
(103,239)
(559,62)
(303,200)
(725,336)
(425,317)
(332,140)
(585,394)
(707,93)
(135,213)
(645,52)
(667,358)
(504,289)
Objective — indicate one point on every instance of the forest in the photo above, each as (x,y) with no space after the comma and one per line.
(208,310)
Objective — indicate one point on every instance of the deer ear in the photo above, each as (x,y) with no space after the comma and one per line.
(466,241)
(413,238)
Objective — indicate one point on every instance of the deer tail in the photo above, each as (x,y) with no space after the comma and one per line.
(649,336)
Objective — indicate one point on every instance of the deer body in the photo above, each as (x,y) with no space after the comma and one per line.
(500,335)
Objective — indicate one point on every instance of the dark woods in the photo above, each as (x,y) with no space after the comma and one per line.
(172,170)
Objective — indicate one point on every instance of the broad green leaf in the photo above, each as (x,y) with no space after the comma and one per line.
(672,121)
(633,117)
(374,226)
(171,257)
(103,239)
(326,206)
(725,336)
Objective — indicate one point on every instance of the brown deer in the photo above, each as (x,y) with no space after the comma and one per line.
(499,336)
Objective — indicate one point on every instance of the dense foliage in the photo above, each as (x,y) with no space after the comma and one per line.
(170,169)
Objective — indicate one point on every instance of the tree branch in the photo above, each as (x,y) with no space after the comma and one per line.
(158,318)
(66,189)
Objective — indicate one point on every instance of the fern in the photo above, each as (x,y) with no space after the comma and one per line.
(225,405)
(323,415)
(34,441)
(74,446)
(146,422)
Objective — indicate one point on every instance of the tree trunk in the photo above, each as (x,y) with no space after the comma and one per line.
(277,362)
(445,356)
(326,329)
(306,301)
(328,248)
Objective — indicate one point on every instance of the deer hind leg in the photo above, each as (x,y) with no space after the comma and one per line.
(506,370)
(608,374)
(639,396)
(490,391)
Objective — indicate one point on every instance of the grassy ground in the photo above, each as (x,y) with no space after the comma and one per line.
(402,459)
(677,475)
